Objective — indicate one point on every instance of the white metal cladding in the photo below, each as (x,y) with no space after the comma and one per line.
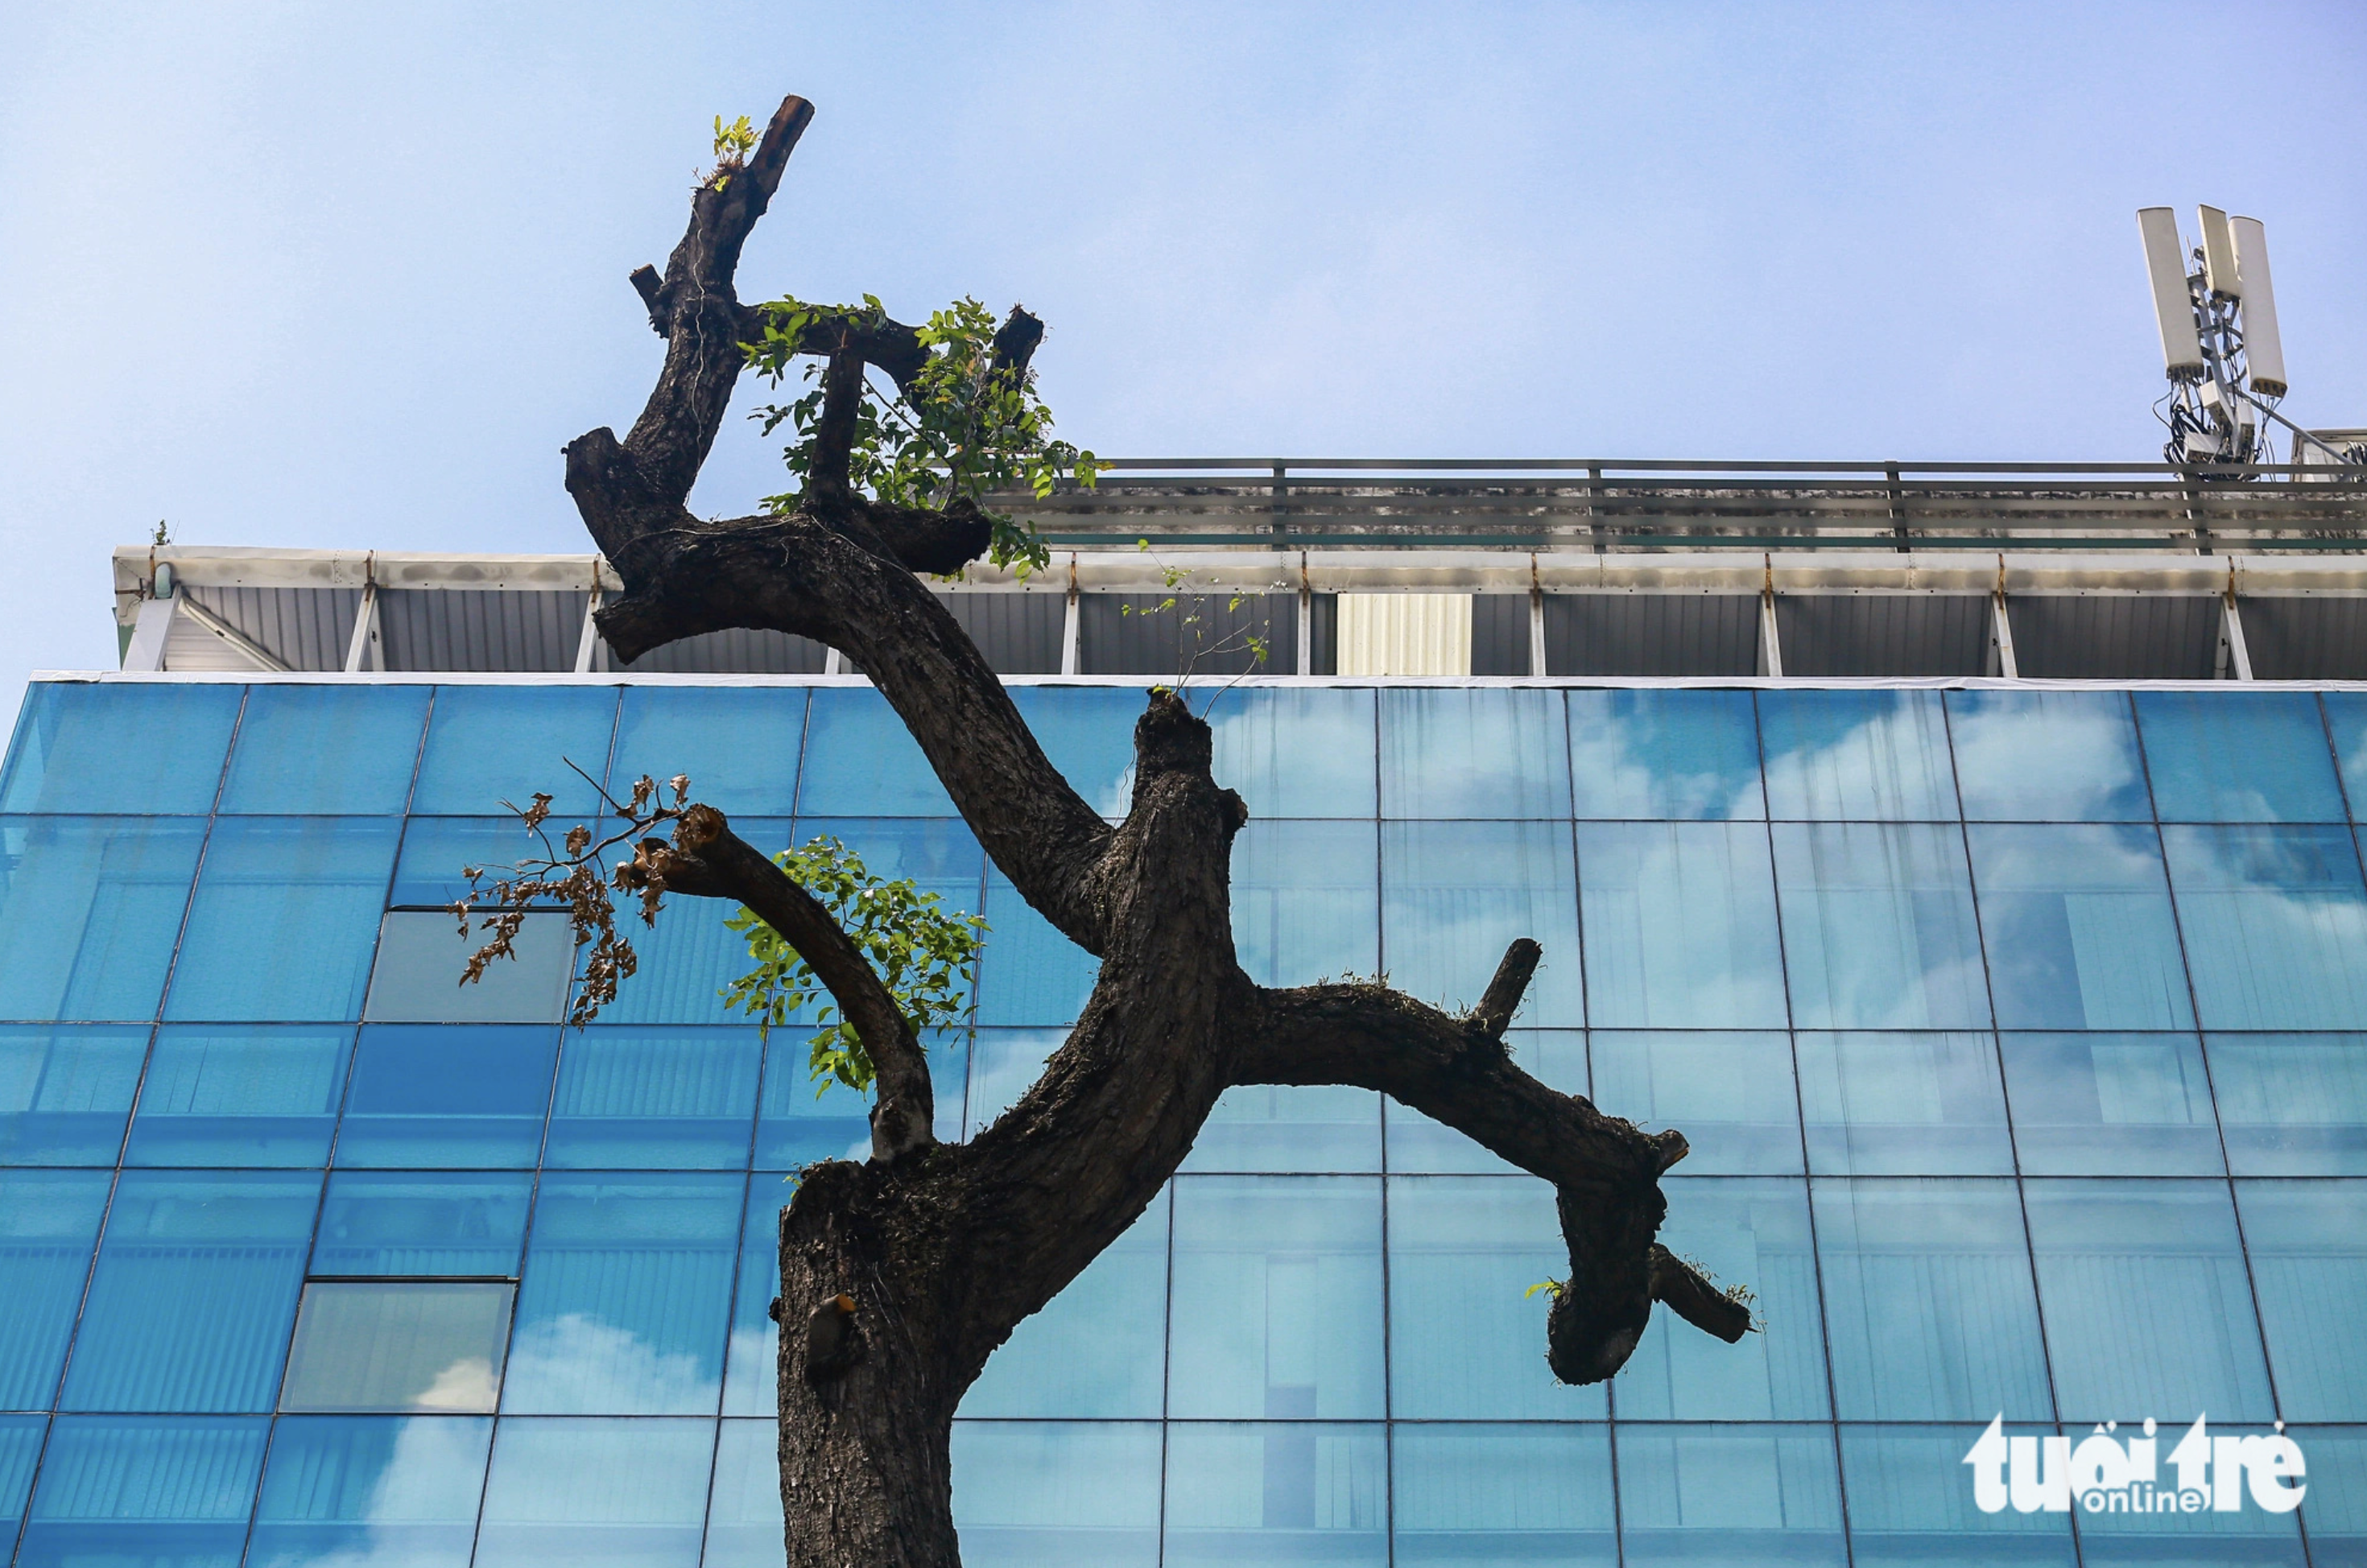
(1874,614)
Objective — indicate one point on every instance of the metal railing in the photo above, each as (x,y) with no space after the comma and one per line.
(1644,504)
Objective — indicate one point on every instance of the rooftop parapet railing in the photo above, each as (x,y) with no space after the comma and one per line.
(1662,504)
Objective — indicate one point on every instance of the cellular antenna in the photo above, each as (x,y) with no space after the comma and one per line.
(2217,313)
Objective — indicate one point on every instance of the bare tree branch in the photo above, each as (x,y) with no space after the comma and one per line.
(707,859)
(1605,1171)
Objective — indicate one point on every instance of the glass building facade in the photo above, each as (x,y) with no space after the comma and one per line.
(2019,1034)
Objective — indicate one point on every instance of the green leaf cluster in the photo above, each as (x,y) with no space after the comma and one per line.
(926,956)
(962,430)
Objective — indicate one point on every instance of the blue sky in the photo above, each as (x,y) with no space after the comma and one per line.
(312,274)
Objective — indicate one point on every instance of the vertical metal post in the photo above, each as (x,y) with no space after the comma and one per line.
(1771,647)
(833,663)
(588,646)
(1594,520)
(366,649)
(1536,621)
(1069,615)
(1279,506)
(1897,507)
(149,633)
(1306,620)
(2001,639)
(2235,658)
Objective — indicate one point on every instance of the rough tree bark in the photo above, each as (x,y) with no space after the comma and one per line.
(901,1275)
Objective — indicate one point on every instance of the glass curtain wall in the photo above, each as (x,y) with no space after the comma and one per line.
(2021,1037)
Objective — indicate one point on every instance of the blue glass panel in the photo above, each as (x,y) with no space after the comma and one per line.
(428,1346)
(1276,1298)
(937,852)
(1555,1057)
(2291,1104)
(1307,900)
(1903,1516)
(1280,1127)
(466,1095)
(2111,1105)
(261,1095)
(194,1293)
(65,1091)
(2148,1312)
(20,1445)
(1056,1493)
(99,747)
(159,1493)
(1739,1496)
(739,745)
(2079,931)
(862,762)
(1004,1065)
(1298,750)
(2346,716)
(2337,1493)
(1455,894)
(1253,1493)
(2047,757)
(605,1493)
(751,1370)
(1088,732)
(323,751)
(1490,1495)
(1878,928)
(1027,972)
(2308,1245)
(2276,926)
(491,744)
(1731,1094)
(437,850)
(1448,751)
(1680,921)
(1861,756)
(2238,756)
(1747,1231)
(655,1099)
(423,957)
(1665,755)
(47,1221)
(2249,1537)
(626,1296)
(1903,1104)
(1929,1307)
(374,1489)
(745,1527)
(1466,1250)
(273,887)
(89,909)
(1099,1348)
(423,1222)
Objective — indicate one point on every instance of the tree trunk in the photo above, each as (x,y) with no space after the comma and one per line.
(900,1276)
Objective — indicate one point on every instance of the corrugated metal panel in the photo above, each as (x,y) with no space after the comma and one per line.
(1500,633)
(1883,634)
(1019,633)
(1405,634)
(2113,636)
(1129,634)
(1326,628)
(2307,639)
(1651,634)
(735,652)
(482,629)
(191,647)
(309,628)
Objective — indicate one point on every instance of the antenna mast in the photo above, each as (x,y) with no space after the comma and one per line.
(2217,313)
